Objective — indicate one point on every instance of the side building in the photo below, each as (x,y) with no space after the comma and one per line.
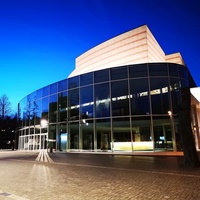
(123,95)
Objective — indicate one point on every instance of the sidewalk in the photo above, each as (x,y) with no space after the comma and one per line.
(138,153)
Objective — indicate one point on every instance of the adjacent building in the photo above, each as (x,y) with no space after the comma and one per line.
(123,95)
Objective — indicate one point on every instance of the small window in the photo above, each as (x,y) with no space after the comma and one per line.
(86,79)
(73,82)
(101,76)
(119,73)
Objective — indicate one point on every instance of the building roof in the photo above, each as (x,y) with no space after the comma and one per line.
(133,47)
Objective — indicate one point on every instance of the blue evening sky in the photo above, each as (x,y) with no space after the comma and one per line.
(40,39)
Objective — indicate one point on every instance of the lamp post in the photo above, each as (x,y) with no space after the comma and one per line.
(173,130)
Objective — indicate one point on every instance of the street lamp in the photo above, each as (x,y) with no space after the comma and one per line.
(173,130)
(170,113)
(43,123)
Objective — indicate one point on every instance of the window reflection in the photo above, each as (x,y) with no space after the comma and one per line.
(62,106)
(158,69)
(45,108)
(86,100)
(101,76)
(120,98)
(45,91)
(141,133)
(62,85)
(53,88)
(136,71)
(159,95)
(102,100)
(86,79)
(103,134)
(175,93)
(162,133)
(53,108)
(121,134)
(118,73)
(139,91)
(74,104)
(38,111)
(173,69)
(73,82)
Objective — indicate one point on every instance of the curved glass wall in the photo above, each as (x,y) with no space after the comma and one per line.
(118,109)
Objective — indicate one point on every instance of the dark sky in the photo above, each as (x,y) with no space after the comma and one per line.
(40,39)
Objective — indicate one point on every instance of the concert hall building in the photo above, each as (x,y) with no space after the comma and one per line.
(123,95)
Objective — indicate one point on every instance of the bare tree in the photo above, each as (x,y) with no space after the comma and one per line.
(5,106)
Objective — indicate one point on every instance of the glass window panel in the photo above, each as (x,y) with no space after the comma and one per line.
(86,79)
(173,69)
(73,82)
(159,95)
(141,134)
(139,95)
(121,134)
(183,73)
(33,108)
(52,136)
(37,130)
(74,135)
(87,134)
(45,108)
(31,131)
(53,108)
(102,100)
(73,104)
(45,91)
(22,111)
(30,115)
(20,114)
(118,73)
(158,69)
(54,88)
(62,106)
(101,76)
(38,110)
(120,98)
(32,96)
(35,111)
(62,85)
(162,133)
(103,134)
(86,102)
(38,94)
(175,93)
(183,83)
(136,71)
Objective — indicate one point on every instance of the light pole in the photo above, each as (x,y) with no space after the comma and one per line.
(172,130)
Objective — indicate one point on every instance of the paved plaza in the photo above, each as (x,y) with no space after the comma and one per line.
(91,176)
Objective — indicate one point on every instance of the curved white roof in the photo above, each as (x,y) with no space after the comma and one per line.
(133,47)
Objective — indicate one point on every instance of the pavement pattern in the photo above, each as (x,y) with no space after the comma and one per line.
(83,176)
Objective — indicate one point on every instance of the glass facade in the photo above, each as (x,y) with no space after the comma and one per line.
(118,109)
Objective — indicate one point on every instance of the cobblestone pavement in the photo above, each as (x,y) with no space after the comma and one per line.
(80,176)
